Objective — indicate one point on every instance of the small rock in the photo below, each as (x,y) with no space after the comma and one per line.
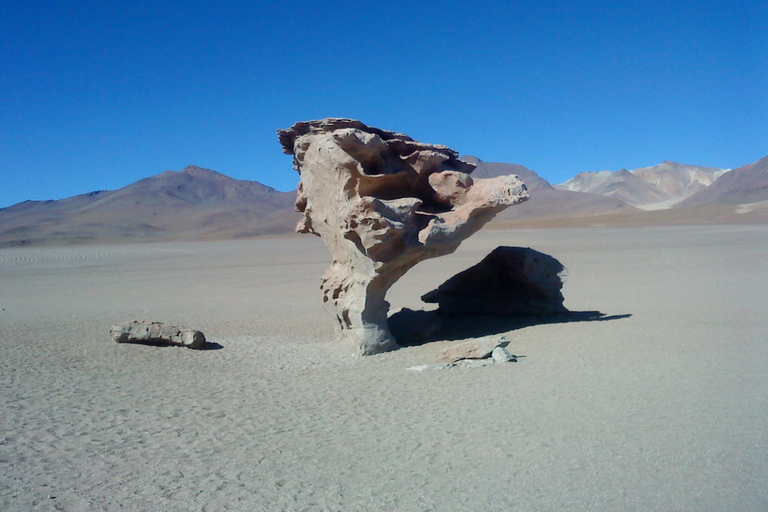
(474,363)
(157,332)
(474,349)
(431,366)
(502,355)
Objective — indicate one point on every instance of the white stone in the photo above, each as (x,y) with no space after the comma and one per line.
(501,355)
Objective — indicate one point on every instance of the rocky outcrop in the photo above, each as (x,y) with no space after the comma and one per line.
(509,281)
(382,202)
(157,332)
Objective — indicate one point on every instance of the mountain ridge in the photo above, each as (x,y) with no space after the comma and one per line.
(746,185)
(194,203)
(547,201)
(659,186)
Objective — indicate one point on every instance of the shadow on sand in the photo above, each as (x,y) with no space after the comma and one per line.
(411,328)
(209,345)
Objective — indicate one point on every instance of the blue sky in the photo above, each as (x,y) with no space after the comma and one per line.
(96,95)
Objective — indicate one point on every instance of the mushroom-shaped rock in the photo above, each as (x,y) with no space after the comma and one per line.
(509,281)
(382,202)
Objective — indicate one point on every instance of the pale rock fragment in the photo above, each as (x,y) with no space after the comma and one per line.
(502,355)
(382,202)
(431,366)
(157,332)
(474,363)
(480,348)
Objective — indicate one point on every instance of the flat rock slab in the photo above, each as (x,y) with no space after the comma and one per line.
(474,363)
(474,349)
(157,332)
(431,366)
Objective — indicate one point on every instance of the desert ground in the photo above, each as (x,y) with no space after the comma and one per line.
(662,405)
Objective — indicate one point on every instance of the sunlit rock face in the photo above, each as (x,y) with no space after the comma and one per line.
(382,202)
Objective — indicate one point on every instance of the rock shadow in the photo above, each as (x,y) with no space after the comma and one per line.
(412,328)
(209,345)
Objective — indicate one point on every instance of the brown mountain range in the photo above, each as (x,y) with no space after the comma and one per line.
(747,185)
(546,201)
(194,203)
(198,203)
(657,187)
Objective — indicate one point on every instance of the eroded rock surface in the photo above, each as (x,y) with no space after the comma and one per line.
(509,281)
(382,202)
(480,348)
(157,332)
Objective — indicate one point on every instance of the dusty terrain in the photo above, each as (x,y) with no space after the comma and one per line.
(660,406)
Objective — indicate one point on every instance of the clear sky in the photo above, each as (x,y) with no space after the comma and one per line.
(98,94)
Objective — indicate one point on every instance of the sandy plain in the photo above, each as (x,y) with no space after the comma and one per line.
(660,406)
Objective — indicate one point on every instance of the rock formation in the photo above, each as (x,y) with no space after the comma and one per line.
(509,281)
(383,202)
(157,332)
(472,349)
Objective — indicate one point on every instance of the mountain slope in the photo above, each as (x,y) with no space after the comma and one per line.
(546,201)
(648,187)
(745,185)
(621,185)
(192,203)
(679,180)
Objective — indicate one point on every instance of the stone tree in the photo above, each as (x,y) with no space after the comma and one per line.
(382,202)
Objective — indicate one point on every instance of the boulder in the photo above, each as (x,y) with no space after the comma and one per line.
(157,332)
(509,281)
(480,348)
(502,355)
(382,202)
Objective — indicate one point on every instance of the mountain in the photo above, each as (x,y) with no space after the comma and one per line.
(658,186)
(621,185)
(547,202)
(678,180)
(745,186)
(194,203)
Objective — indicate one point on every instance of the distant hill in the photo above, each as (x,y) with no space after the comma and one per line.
(621,185)
(201,204)
(546,201)
(194,203)
(658,186)
(746,185)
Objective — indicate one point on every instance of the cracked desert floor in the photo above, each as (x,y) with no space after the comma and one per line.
(661,406)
